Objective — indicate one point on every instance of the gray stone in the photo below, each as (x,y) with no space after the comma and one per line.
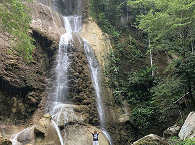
(188,128)
(171,131)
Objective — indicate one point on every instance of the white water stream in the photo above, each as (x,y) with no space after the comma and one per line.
(58,132)
(96,79)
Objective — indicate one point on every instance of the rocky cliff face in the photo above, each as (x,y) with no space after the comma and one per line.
(22,84)
(81,90)
(23,93)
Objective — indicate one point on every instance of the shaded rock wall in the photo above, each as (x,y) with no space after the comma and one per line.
(81,90)
(21,83)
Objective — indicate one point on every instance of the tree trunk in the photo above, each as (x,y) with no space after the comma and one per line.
(151,60)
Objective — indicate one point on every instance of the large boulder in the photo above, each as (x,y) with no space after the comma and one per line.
(46,22)
(42,125)
(79,135)
(45,132)
(151,139)
(68,114)
(23,137)
(188,128)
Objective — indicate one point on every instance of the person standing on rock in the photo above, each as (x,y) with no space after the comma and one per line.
(95,137)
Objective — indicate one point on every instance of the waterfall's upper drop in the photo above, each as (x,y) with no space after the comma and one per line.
(65,7)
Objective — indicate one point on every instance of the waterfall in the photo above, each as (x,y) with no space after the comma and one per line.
(73,24)
(96,78)
(95,75)
(59,91)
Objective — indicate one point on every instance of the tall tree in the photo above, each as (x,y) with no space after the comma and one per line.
(170,26)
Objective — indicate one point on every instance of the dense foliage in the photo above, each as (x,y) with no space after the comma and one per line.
(152,28)
(14,23)
(177,141)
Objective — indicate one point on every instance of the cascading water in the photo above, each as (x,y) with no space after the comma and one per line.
(73,24)
(64,7)
(58,132)
(95,75)
(96,78)
(60,111)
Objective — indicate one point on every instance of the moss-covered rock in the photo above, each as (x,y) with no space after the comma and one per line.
(151,139)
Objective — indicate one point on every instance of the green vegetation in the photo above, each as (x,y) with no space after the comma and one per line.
(177,141)
(142,116)
(14,24)
(153,28)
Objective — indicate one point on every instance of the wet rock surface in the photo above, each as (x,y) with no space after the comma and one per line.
(45,133)
(81,90)
(79,135)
